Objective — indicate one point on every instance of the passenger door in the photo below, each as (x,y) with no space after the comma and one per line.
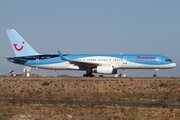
(125,60)
(158,60)
(37,60)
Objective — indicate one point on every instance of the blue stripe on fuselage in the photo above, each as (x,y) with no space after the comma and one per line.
(134,58)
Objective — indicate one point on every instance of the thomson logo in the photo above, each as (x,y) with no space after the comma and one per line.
(139,57)
(18,49)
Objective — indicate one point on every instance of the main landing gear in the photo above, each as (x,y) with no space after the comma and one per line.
(88,73)
(155,72)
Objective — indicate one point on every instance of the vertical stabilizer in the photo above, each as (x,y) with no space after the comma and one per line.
(20,46)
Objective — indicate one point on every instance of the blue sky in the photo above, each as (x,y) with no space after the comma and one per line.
(100,27)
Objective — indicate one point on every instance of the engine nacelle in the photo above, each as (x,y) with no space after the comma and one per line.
(105,69)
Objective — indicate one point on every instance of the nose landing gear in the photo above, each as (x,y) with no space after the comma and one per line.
(155,72)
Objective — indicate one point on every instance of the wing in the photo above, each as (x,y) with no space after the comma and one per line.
(79,63)
(84,64)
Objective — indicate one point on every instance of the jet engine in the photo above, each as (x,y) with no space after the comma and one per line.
(104,69)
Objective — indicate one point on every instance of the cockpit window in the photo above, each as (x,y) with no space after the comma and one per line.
(168,60)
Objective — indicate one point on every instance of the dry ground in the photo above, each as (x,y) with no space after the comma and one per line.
(67,112)
(140,89)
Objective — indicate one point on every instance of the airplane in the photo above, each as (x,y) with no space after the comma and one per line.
(11,73)
(117,75)
(91,63)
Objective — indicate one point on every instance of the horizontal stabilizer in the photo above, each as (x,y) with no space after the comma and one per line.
(16,59)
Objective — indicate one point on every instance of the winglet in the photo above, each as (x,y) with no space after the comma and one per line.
(61,56)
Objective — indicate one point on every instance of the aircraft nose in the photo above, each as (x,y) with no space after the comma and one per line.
(174,65)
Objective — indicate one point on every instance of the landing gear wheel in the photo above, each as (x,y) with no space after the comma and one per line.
(100,75)
(85,75)
(155,72)
(91,75)
(88,75)
(154,75)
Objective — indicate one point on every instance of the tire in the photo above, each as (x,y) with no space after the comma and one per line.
(154,75)
(91,75)
(85,75)
(100,75)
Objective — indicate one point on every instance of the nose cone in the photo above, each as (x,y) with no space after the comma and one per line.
(173,65)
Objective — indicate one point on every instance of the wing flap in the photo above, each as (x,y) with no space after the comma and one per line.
(84,64)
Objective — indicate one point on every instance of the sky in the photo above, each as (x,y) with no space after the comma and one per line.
(93,27)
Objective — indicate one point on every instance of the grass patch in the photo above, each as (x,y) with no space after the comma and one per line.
(102,106)
(21,91)
(163,85)
(45,83)
(159,103)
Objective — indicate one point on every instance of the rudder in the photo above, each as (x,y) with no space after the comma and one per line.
(20,46)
